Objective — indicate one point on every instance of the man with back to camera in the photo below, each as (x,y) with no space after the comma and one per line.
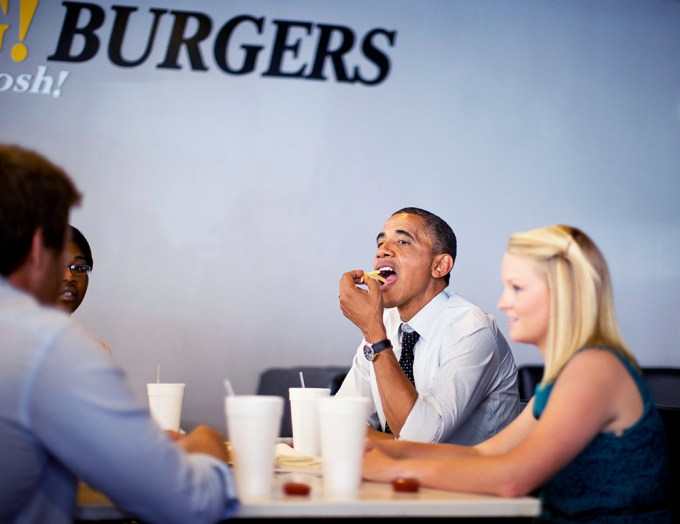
(464,387)
(66,412)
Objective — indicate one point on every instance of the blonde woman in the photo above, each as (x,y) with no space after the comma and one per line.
(590,440)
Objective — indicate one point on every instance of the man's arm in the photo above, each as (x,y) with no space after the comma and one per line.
(364,307)
(374,434)
(100,432)
(397,394)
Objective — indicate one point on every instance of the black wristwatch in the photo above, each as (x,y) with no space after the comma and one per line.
(372,350)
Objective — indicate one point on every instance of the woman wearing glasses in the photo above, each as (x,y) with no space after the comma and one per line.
(76,275)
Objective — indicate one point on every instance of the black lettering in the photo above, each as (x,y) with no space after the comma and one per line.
(323,52)
(79,41)
(70,29)
(118,35)
(177,40)
(376,56)
(222,46)
(281,47)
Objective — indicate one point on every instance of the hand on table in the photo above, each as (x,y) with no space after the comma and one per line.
(378,466)
(203,439)
(174,435)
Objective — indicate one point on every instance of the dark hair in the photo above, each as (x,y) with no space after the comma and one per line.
(34,194)
(443,237)
(79,240)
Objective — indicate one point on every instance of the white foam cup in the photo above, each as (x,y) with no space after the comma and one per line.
(253,423)
(343,422)
(305,419)
(165,404)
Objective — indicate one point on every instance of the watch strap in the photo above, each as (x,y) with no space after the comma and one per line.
(381,345)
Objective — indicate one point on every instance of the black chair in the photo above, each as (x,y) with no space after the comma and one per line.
(671,421)
(528,377)
(336,382)
(276,381)
(664,385)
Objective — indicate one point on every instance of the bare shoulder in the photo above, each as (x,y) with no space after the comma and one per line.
(599,379)
(594,373)
(596,361)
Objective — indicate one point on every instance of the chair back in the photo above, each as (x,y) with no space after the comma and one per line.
(671,421)
(528,377)
(276,381)
(664,385)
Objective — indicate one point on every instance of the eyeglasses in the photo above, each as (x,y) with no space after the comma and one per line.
(80,269)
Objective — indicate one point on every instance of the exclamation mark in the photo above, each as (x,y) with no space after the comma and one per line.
(63,75)
(3,27)
(26,11)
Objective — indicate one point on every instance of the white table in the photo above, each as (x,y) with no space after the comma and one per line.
(373,500)
(380,500)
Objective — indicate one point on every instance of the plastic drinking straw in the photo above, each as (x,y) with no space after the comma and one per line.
(230,390)
(158,373)
(302,379)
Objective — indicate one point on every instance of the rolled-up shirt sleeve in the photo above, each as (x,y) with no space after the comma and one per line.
(452,402)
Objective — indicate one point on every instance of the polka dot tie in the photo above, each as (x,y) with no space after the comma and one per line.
(408,342)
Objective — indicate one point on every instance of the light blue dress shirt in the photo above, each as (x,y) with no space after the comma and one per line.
(464,373)
(66,413)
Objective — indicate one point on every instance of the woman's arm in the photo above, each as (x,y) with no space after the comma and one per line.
(503,441)
(586,399)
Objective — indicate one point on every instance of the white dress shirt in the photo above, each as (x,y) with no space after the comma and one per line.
(464,373)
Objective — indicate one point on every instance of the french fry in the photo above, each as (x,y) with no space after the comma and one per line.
(372,274)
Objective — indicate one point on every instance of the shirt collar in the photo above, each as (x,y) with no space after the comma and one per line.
(422,322)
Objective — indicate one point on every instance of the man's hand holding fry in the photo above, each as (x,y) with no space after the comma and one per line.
(363,307)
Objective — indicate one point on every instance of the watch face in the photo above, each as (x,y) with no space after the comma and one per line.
(368,353)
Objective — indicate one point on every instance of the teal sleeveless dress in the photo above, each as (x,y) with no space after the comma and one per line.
(615,479)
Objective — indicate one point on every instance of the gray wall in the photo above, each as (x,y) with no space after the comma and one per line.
(222,209)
